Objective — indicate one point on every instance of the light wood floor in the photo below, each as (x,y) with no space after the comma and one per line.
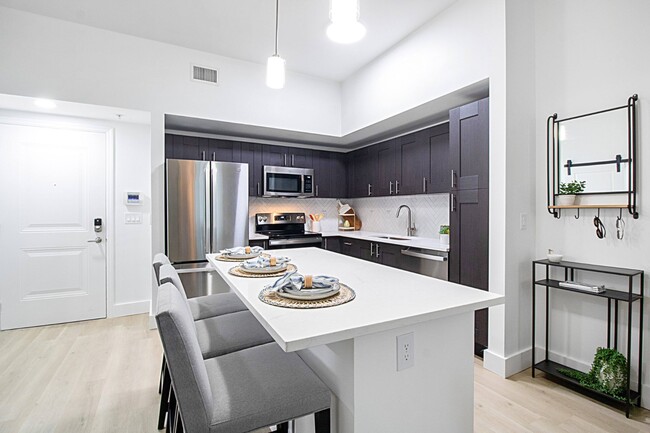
(102,376)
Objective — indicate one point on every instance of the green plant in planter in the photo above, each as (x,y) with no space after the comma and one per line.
(607,375)
(444,230)
(573,187)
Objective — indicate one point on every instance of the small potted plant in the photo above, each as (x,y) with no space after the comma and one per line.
(568,191)
(444,235)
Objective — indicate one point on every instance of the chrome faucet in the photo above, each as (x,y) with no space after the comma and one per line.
(410,229)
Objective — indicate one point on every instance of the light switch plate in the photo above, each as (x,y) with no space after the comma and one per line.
(132,218)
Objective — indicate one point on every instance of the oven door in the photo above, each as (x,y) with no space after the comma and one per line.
(277,244)
(288,182)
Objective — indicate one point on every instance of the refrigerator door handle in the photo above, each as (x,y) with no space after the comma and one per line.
(208,194)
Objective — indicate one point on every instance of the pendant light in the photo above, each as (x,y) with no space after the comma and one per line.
(345,27)
(275,65)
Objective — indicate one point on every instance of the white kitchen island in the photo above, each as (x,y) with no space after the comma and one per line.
(353,347)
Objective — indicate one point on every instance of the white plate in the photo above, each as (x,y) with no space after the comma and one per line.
(241,256)
(310,297)
(268,270)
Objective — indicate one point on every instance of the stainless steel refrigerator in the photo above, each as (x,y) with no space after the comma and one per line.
(207,208)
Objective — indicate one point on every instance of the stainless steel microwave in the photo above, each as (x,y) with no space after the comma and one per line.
(288,181)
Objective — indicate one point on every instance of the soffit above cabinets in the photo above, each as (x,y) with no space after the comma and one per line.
(425,115)
(244,29)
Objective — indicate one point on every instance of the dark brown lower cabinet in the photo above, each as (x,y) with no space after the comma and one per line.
(468,250)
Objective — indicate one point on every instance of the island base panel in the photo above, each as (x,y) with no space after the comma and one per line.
(437,394)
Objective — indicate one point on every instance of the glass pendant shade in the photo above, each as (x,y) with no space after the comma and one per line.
(275,72)
(345,27)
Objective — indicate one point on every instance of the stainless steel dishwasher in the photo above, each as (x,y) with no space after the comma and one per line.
(426,262)
(200,279)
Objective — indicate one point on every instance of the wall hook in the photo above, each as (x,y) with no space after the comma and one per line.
(577,216)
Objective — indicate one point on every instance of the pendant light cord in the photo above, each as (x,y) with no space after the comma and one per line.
(277,8)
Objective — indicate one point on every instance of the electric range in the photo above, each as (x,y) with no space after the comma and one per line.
(286,230)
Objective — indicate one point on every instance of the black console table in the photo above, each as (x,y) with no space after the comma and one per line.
(613,297)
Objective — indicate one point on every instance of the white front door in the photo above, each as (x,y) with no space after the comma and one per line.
(52,187)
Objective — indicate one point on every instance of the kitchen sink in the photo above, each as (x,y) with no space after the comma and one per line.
(395,238)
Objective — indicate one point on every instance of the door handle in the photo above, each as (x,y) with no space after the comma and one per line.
(372,250)
(424,184)
(348,244)
(453,203)
(377,250)
(396,187)
(292,160)
(316,190)
(214,156)
(97,240)
(369,189)
(453,179)
(258,189)
(390,188)
(285,159)
(203,155)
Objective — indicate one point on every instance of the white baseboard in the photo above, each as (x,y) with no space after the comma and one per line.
(129,308)
(506,367)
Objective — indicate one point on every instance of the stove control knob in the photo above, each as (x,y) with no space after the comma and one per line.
(261,219)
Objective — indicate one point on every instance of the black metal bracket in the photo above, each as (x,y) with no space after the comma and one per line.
(618,161)
(550,143)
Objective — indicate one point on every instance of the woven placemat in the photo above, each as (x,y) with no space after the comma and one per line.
(223,258)
(237,271)
(344,295)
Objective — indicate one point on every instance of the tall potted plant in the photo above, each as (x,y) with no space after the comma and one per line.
(568,191)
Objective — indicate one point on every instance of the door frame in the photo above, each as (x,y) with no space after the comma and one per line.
(49,120)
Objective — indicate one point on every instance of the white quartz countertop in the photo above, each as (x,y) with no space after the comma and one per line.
(386,298)
(406,241)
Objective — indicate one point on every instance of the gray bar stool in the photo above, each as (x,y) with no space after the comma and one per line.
(217,335)
(238,392)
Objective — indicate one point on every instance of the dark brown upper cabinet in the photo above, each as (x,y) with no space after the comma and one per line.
(438,141)
(469,145)
(413,158)
(251,154)
(386,179)
(329,174)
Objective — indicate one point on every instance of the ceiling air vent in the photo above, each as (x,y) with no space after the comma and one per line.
(205,75)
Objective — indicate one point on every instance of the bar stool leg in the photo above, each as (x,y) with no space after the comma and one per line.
(164,399)
(282,428)
(322,421)
(171,411)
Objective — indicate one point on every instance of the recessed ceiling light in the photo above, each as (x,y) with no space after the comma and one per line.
(45,103)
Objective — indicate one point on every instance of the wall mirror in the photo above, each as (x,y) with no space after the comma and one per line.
(599,148)
(595,149)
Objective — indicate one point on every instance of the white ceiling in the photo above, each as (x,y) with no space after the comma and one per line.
(244,29)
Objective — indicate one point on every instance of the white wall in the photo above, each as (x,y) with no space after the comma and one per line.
(590,56)
(128,289)
(465,44)
(45,57)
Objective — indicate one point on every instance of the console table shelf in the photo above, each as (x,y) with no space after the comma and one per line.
(551,368)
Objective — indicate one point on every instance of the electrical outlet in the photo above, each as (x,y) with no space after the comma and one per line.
(523,221)
(405,351)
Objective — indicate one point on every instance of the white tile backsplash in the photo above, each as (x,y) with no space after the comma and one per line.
(326,206)
(377,214)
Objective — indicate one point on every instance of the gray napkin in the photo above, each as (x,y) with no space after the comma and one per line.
(293,282)
(240,251)
(264,262)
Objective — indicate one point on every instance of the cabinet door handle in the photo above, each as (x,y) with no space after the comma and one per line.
(377,250)
(369,189)
(453,179)
(292,160)
(203,155)
(396,187)
(285,159)
(349,244)
(390,188)
(453,202)
(316,190)
(214,156)
(424,184)
(372,249)
(258,189)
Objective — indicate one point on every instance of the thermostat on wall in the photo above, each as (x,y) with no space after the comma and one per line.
(133,198)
